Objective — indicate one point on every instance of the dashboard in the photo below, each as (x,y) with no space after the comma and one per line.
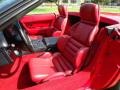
(9,38)
(5,57)
(12,44)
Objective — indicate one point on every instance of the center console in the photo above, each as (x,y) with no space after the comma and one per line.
(38,45)
(51,43)
(45,44)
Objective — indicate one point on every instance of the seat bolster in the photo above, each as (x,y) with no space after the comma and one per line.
(80,58)
(56,63)
(62,42)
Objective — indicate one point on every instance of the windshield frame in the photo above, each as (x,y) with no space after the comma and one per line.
(7,4)
(16,11)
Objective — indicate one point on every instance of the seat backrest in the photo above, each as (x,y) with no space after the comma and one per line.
(107,69)
(85,30)
(82,35)
(61,20)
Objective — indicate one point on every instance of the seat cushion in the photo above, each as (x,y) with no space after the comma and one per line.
(41,68)
(49,67)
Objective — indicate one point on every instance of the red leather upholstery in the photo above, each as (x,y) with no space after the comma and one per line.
(73,49)
(91,15)
(107,71)
(63,11)
(60,22)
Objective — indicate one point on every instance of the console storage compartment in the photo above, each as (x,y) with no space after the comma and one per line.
(50,43)
(39,45)
(45,44)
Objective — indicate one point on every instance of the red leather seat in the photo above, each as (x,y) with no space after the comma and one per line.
(60,23)
(73,49)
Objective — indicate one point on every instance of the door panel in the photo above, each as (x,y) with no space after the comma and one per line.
(36,24)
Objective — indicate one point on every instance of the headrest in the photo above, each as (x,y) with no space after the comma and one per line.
(89,13)
(63,11)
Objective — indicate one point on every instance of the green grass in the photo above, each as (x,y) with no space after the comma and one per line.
(53,9)
(111,9)
(44,9)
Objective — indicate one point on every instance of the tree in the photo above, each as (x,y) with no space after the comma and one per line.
(103,2)
(95,1)
(54,1)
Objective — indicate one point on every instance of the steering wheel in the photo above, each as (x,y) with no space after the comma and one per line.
(25,37)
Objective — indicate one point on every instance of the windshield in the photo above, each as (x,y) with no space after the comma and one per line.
(7,4)
(106,6)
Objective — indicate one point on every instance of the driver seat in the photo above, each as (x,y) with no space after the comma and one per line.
(72,50)
(60,23)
